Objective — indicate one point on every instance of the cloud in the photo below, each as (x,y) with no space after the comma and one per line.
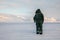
(19,18)
(3,7)
(8,4)
(52,19)
(47,19)
(4,1)
(4,18)
(13,5)
(10,18)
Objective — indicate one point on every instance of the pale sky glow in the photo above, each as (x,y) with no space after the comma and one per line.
(26,8)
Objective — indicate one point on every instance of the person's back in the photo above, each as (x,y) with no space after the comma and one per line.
(38,19)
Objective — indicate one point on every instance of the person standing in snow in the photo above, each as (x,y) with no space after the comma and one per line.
(38,19)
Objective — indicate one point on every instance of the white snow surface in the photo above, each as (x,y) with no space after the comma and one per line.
(27,31)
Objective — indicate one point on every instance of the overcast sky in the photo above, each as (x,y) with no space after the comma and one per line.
(50,8)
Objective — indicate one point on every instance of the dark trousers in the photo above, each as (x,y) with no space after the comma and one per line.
(39,27)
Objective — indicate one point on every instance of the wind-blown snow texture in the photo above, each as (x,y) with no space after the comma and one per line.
(26,31)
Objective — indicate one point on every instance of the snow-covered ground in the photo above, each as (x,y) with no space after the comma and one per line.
(26,31)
